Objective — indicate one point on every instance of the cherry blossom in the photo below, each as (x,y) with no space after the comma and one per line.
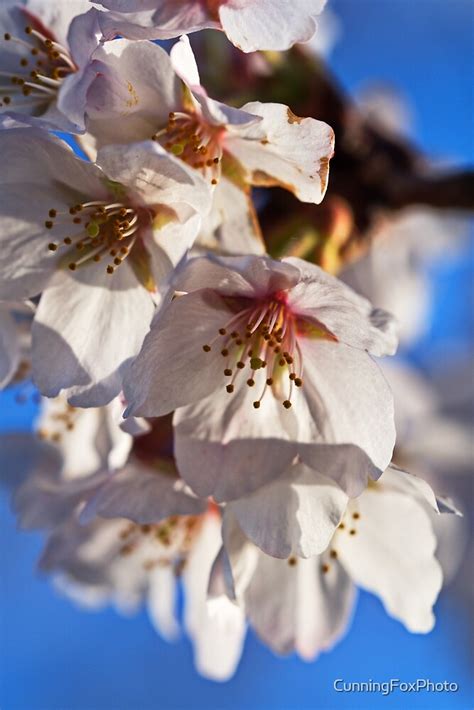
(125,536)
(273,360)
(384,544)
(249,24)
(100,238)
(259,144)
(45,62)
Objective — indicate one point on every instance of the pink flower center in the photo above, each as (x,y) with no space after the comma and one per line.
(43,64)
(262,339)
(196,142)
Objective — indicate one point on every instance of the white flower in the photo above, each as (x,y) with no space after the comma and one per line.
(45,62)
(249,24)
(137,210)
(139,95)
(272,357)
(98,555)
(384,544)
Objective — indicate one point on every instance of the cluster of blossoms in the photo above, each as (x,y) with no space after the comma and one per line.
(212,414)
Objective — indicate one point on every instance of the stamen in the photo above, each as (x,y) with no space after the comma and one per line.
(101,232)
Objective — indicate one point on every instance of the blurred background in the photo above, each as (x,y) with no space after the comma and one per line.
(409,65)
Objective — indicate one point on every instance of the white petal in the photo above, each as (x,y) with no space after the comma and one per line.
(161,602)
(269,24)
(232,225)
(295,514)
(172,369)
(45,500)
(216,627)
(43,174)
(392,555)
(311,608)
(397,479)
(236,275)
(226,448)
(351,318)
(57,17)
(184,62)
(156,176)
(219,114)
(166,21)
(284,150)
(24,454)
(142,494)
(131,98)
(351,405)
(85,347)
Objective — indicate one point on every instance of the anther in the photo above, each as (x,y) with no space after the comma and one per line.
(222,331)
(240,365)
(7,36)
(333,554)
(256,363)
(48,224)
(228,372)
(110,269)
(52,246)
(250,382)
(52,213)
(356,516)
(67,240)
(298,382)
(352,532)
(325,569)
(206,348)
(256,404)
(72,266)
(287,404)
(224,352)
(270,381)
(230,388)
